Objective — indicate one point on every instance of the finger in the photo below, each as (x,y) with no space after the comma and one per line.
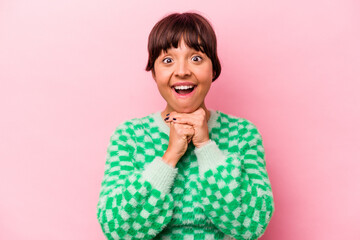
(182,125)
(193,121)
(172,125)
(186,132)
(169,116)
(174,116)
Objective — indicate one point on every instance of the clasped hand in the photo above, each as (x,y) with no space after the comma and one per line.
(193,126)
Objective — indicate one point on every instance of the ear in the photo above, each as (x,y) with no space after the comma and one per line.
(153,74)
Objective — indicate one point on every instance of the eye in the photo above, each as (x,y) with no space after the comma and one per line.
(197,57)
(165,60)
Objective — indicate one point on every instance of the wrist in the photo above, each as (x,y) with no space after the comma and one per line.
(170,159)
(199,145)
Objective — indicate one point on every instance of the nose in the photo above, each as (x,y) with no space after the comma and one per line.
(182,69)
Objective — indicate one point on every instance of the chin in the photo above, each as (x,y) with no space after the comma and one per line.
(186,109)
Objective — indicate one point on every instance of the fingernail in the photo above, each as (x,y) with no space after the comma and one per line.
(174,118)
(168,114)
(166,119)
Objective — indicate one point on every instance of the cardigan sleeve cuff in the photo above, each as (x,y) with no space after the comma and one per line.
(160,174)
(209,156)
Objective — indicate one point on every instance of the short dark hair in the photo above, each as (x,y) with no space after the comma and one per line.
(194,28)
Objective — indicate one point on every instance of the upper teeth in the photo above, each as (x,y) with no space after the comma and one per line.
(183,87)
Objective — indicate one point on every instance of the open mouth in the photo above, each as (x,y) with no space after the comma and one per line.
(184,90)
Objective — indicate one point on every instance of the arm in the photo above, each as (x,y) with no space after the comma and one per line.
(133,203)
(235,188)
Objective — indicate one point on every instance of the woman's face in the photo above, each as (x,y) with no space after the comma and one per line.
(179,69)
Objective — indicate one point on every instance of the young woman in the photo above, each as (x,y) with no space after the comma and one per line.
(187,172)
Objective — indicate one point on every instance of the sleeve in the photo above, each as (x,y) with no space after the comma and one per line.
(234,186)
(133,203)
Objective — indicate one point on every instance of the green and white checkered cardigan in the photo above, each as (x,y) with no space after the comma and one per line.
(218,191)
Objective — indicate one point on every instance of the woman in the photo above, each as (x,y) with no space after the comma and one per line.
(186,172)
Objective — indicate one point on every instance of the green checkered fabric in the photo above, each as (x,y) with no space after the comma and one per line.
(218,191)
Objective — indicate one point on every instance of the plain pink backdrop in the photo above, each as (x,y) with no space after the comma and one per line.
(71,71)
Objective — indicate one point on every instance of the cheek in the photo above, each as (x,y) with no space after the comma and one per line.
(163,80)
(160,77)
(206,73)
(162,73)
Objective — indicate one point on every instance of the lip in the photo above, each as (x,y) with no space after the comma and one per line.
(183,84)
(177,95)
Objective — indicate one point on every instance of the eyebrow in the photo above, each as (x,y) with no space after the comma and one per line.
(192,50)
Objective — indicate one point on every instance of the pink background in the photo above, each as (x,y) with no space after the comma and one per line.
(71,71)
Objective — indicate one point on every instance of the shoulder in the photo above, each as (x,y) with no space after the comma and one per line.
(132,125)
(224,117)
(246,128)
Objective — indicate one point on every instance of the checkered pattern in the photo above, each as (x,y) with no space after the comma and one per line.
(218,191)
